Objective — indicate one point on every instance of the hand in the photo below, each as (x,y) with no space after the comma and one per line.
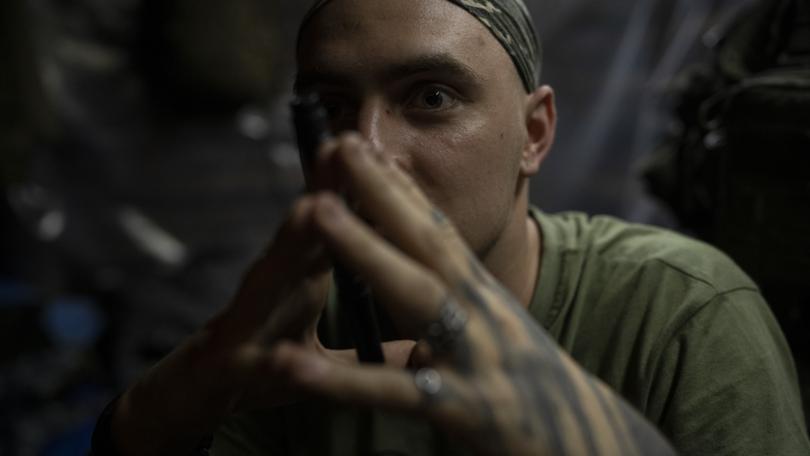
(229,365)
(488,373)
(281,298)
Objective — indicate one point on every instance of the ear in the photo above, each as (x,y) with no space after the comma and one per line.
(541,124)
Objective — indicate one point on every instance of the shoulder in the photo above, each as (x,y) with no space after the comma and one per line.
(635,289)
(620,276)
(677,328)
(620,246)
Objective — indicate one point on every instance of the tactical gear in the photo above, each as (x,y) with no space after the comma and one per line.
(738,172)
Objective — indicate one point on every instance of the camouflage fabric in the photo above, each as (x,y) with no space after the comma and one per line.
(510,23)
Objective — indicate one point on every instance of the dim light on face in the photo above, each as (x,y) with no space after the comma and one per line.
(429,85)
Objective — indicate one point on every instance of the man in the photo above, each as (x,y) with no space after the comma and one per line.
(446,124)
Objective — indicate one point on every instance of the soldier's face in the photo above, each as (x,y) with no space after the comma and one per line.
(427,83)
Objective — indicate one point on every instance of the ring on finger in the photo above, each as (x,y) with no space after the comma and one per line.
(428,381)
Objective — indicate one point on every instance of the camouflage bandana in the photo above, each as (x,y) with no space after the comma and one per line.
(511,24)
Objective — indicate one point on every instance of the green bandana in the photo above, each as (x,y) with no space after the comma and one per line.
(510,23)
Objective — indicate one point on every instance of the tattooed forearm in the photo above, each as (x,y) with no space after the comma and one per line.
(553,396)
(494,440)
(438,217)
(493,327)
(537,412)
(456,396)
(617,419)
(559,405)
(517,391)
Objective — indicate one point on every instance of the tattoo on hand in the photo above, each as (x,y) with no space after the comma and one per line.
(559,406)
(438,217)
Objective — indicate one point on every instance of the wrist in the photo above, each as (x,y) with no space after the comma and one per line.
(174,405)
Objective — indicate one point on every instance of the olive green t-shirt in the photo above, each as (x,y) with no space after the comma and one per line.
(669,323)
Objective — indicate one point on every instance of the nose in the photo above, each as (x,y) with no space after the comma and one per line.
(379,123)
(375,123)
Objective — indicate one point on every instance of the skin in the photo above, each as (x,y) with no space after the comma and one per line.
(381,85)
(506,386)
(430,150)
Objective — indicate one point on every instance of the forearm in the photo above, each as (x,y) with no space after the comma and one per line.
(586,416)
(560,406)
(174,406)
(596,419)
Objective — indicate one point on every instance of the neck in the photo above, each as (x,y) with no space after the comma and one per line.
(515,257)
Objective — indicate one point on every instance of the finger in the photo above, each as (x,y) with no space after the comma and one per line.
(296,250)
(391,200)
(421,355)
(410,292)
(360,384)
(323,177)
(297,254)
(265,379)
(453,320)
(257,375)
(413,225)
(297,317)
(448,400)
(396,353)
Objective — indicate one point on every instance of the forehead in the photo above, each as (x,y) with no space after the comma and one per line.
(365,34)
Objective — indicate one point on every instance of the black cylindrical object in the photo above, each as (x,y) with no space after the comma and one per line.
(312,129)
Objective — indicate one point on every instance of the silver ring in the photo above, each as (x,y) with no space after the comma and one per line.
(443,333)
(428,381)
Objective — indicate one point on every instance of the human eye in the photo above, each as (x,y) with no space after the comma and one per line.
(433,98)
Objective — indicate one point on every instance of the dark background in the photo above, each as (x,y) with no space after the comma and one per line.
(147,157)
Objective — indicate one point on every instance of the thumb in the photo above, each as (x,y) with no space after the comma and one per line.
(397,353)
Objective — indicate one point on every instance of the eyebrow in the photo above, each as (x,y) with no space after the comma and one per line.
(438,64)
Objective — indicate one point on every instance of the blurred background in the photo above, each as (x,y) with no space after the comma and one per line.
(146,157)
